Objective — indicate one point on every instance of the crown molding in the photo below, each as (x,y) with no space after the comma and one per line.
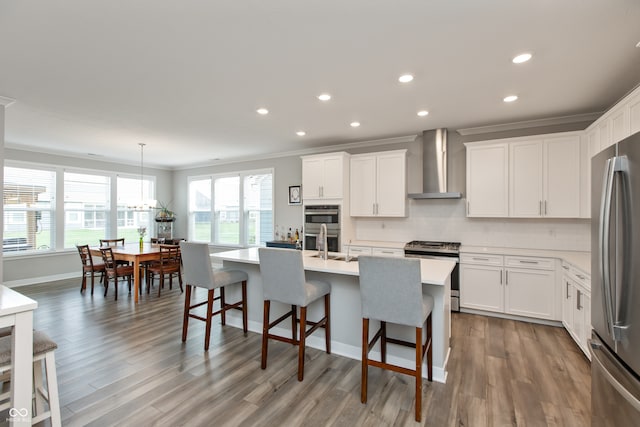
(6,101)
(587,117)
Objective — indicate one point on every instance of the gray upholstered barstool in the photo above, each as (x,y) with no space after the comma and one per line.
(43,349)
(283,280)
(198,272)
(391,291)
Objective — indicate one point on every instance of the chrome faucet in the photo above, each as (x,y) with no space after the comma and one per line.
(321,242)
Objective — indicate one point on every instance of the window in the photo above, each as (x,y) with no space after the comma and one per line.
(232,210)
(29,209)
(86,208)
(131,194)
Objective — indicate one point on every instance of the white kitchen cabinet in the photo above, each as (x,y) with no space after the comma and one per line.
(498,284)
(487,180)
(391,252)
(379,184)
(355,250)
(481,287)
(634,113)
(544,178)
(619,123)
(530,293)
(604,130)
(323,176)
(576,305)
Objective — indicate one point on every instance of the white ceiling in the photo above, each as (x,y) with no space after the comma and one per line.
(185,77)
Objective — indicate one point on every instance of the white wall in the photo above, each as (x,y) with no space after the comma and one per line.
(445,220)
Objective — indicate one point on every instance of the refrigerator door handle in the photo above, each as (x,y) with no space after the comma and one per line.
(603,235)
(628,396)
(620,327)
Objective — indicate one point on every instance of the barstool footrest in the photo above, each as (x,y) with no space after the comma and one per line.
(390,367)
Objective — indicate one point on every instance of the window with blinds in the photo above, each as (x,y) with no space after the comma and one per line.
(86,208)
(29,209)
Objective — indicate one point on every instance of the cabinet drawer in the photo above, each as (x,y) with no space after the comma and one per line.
(577,275)
(529,262)
(388,252)
(482,259)
(359,250)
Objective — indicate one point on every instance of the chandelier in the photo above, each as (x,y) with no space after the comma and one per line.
(142,204)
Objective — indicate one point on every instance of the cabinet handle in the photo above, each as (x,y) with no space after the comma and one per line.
(468,207)
(565,267)
(373,208)
(501,277)
(578,302)
(528,262)
(480,259)
(377,209)
(545,207)
(506,277)
(540,208)
(580,276)
(566,282)
(386,252)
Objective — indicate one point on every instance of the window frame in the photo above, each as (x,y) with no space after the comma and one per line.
(242,220)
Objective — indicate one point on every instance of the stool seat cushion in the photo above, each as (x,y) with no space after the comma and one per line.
(313,289)
(226,276)
(41,344)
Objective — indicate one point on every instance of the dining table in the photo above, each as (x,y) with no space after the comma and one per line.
(135,254)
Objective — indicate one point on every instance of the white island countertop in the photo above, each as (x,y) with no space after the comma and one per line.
(434,272)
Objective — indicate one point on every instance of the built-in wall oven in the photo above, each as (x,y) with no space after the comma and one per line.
(316,215)
(439,250)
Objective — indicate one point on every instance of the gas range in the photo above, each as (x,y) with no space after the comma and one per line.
(432,248)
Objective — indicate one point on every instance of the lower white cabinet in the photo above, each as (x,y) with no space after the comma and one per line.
(576,305)
(355,250)
(496,283)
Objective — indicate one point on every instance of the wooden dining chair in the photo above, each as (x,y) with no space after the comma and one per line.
(169,264)
(114,243)
(89,267)
(115,271)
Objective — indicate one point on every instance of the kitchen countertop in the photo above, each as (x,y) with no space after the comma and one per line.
(580,260)
(434,272)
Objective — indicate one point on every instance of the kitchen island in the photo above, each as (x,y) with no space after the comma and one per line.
(346,319)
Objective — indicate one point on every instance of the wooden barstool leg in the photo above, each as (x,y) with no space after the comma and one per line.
(365,360)
(245,321)
(301,344)
(327,325)
(294,325)
(223,307)
(383,342)
(185,319)
(52,389)
(207,337)
(418,374)
(265,333)
(429,350)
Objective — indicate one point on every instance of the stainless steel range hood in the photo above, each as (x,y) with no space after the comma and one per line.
(434,167)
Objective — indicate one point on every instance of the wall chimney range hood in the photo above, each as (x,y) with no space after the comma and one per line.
(434,167)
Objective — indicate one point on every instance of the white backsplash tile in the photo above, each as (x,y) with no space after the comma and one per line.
(445,220)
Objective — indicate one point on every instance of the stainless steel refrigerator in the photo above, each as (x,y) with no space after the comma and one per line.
(615,285)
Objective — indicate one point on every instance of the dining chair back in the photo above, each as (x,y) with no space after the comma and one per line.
(198,272)
(169,264)
(112,242)
(115,270)
(89,267)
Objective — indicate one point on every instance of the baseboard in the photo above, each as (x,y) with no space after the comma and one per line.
(556,323)
(41,279)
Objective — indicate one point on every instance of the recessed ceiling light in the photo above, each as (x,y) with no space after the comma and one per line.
(262,111)
(355,124)
(324,97)
(523,57)
(301,133)
(510,98)
(405,78)
(423,113)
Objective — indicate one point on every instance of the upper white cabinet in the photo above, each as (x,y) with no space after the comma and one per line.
(634,113)
(379,184)
(527,177)
(323,176)
(487,180)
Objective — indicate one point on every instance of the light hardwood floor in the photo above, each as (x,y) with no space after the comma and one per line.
(120,364)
